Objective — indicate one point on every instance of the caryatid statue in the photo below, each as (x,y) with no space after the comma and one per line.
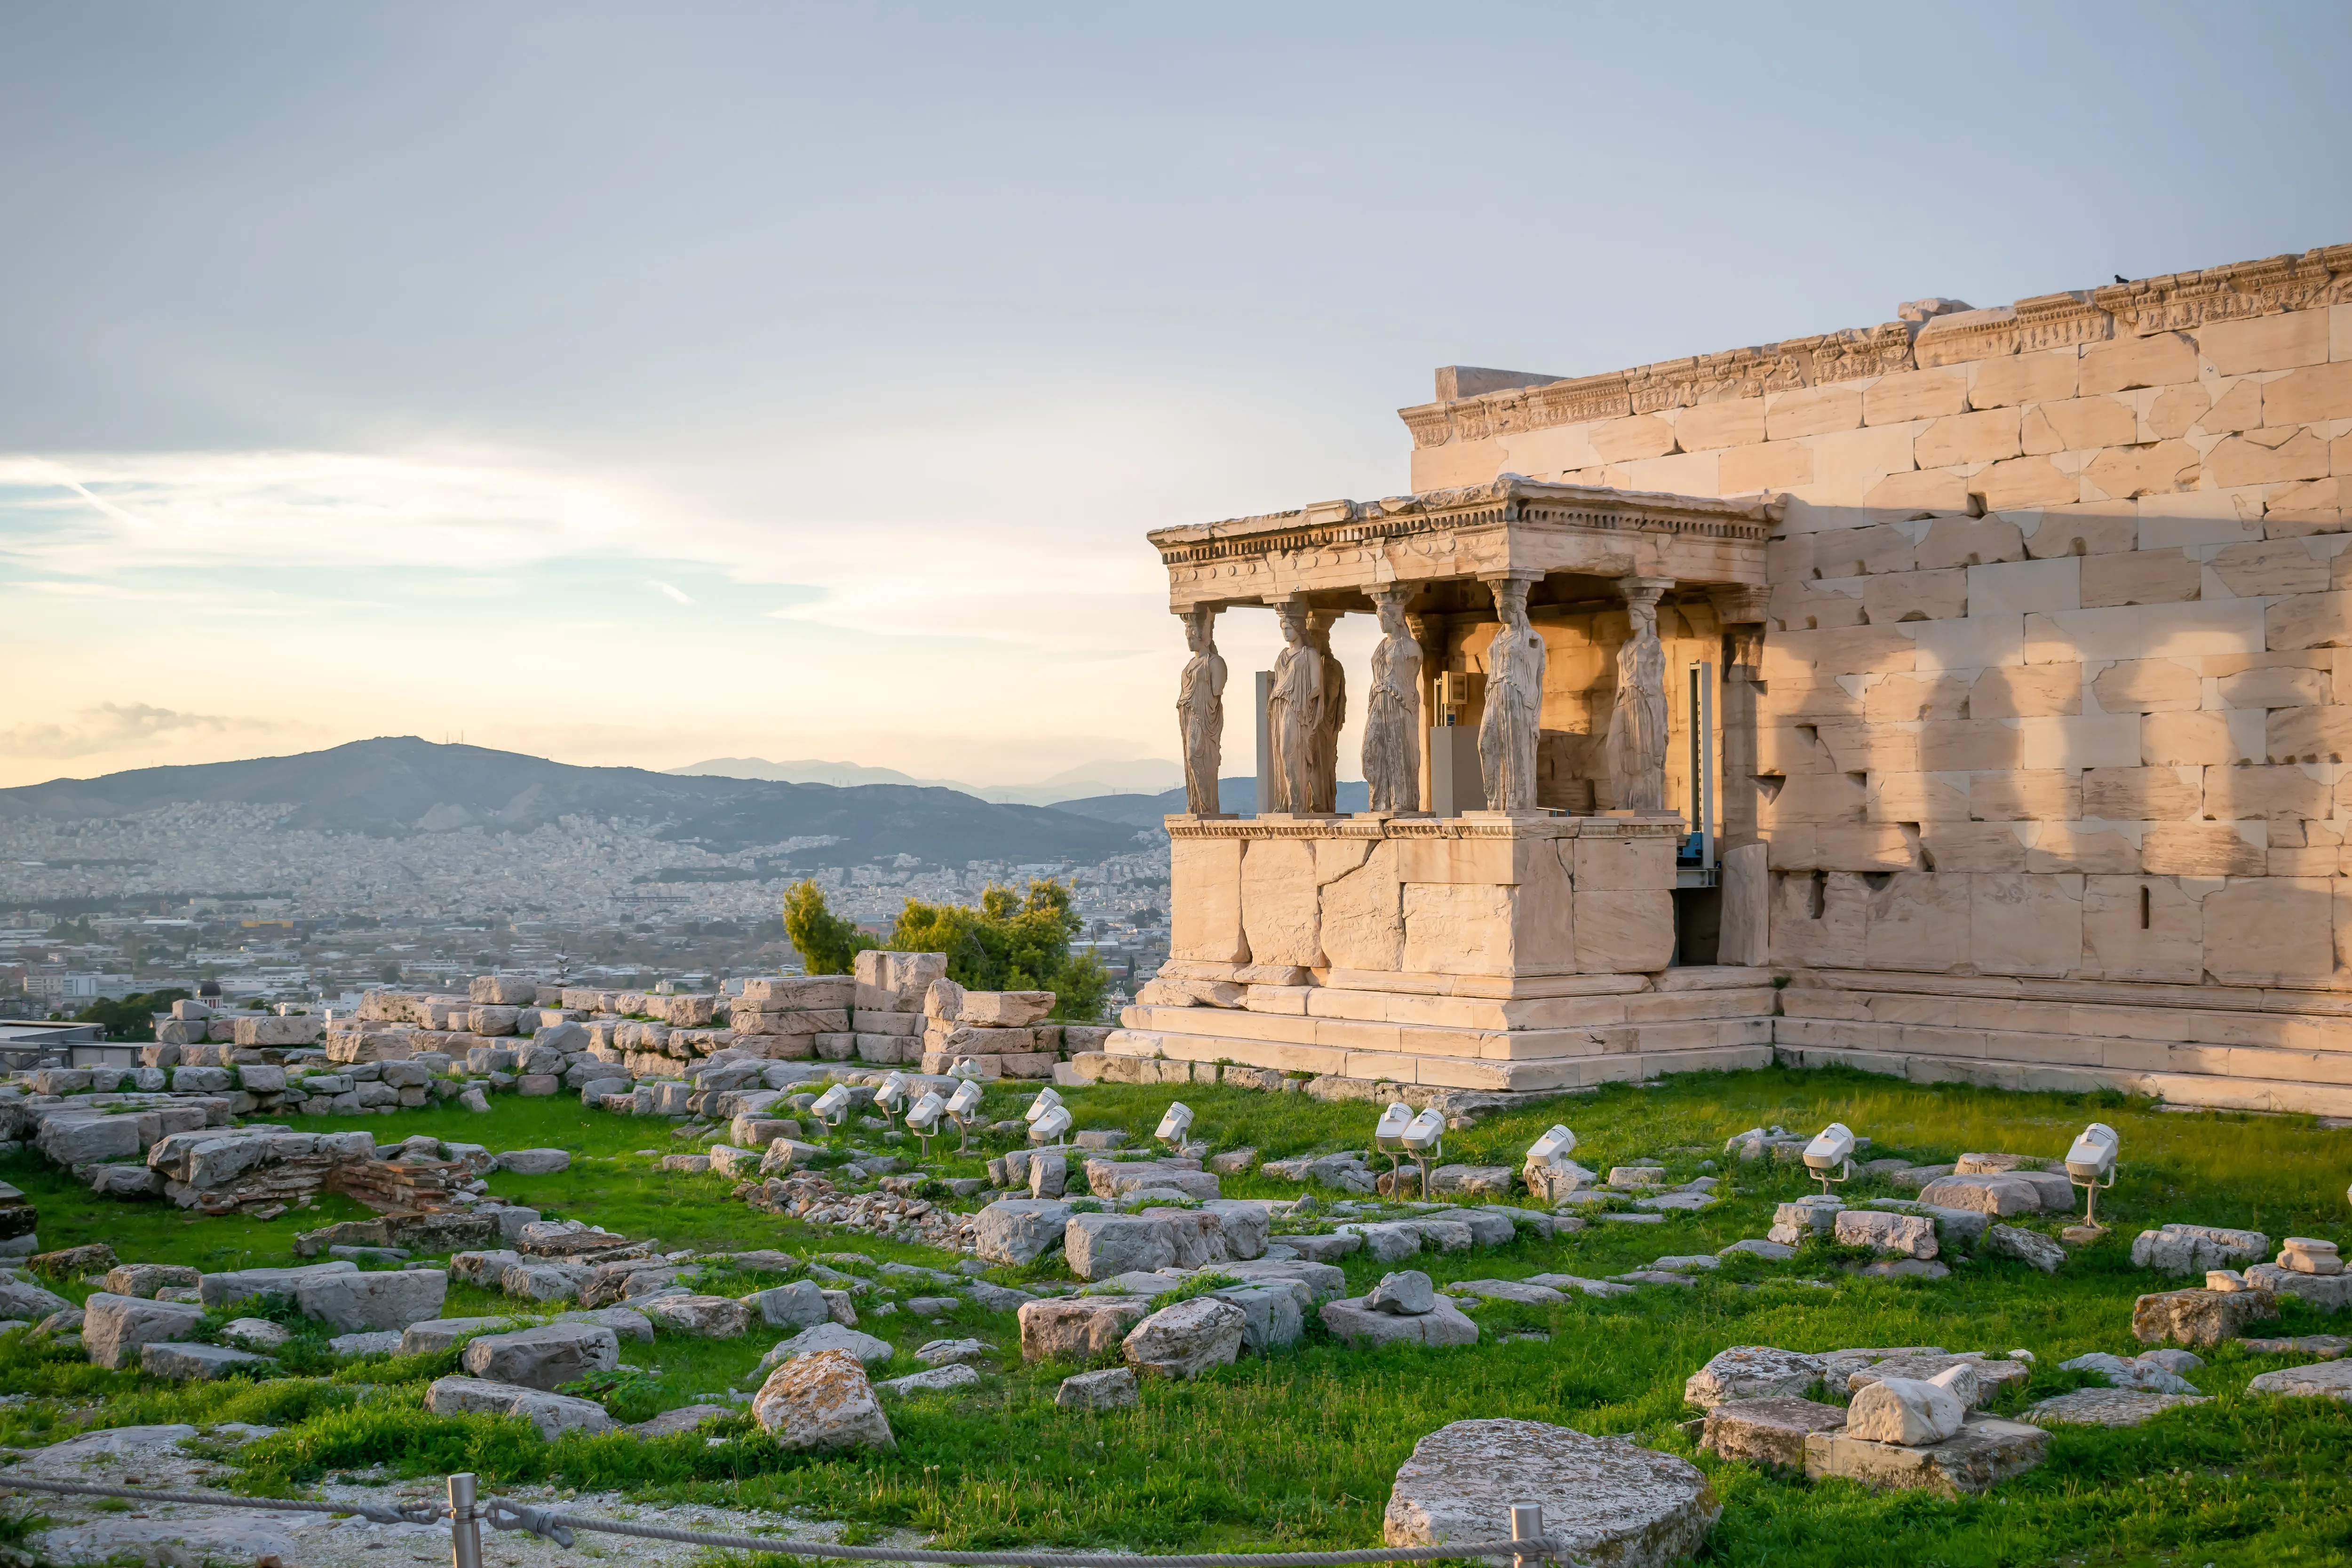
(1509,728)
(1294,712)
(1637,724)
(1392,711)
(1200,710)
(1326,796)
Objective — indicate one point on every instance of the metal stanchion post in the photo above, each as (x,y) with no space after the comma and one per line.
(1527,1524)
(465,1525)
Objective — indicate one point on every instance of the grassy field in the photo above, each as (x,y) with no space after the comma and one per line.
(1298,1449)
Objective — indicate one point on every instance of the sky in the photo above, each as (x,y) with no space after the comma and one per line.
(639,384)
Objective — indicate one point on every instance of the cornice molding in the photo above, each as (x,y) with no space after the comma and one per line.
(2177,302)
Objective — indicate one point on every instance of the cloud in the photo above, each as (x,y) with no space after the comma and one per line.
(120,726)
(678,595)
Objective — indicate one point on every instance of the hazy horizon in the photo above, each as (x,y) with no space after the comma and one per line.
(725,382)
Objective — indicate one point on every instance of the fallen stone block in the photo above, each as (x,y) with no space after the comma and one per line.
(1078,1327)
(2106,1407)
(1984,1453)
(386,1300)
(146,1278)
(2195,1248)
(823,1401)
(1019,1231)
(2199,1317)
(441,1333)
(2025,1246)
(188,1363)
(705,1316)
(1114,1388)
(1901,1234)
(823,1336)
(1768,1431)
(1751,1372)
(543,1357)
(2001,1195)
(115,1326)
(2330,1293)
(2142,1372)
(2327,1379)
(1360,1324)
(933,1380)
(1186,1339)
(1605,1499)
(552,1414)
(1907,1412)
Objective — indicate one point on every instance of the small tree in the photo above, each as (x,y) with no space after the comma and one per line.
(1010,943)
(826,942)
(132,1018)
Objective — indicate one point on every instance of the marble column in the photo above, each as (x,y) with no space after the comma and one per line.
(1200,712)
(1636,751)
(1393,729)
(1429,639)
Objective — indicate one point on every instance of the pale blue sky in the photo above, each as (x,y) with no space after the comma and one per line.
(636,383)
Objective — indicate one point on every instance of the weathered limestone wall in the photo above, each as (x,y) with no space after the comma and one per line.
(2056,703)
(1480,952)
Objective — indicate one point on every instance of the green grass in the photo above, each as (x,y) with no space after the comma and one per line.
(1298,1449)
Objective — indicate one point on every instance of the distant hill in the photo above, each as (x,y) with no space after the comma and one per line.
(393,787)
(1236,795)
(1101,778)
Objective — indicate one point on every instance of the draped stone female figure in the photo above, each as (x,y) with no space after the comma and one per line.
(1393,711)
(1636,752)
(1200,710)
(1294,711)
(1334,714)
(1512,721)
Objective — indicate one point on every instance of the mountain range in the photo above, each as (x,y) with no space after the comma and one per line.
(397,786)
(1236,795)
(1102,777)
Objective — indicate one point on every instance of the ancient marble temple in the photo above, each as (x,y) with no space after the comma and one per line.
(1960,697)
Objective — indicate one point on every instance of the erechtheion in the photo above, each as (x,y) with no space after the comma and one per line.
(1981,674)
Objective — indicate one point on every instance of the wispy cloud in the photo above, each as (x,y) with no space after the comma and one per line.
(122,726)
(670,590)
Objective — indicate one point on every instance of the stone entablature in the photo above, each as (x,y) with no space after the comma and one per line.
(1508,526)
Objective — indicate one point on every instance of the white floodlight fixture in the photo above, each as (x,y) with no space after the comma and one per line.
(1388,1137)
(1831,1148)
(963,1105)
(2092,1156)
(892,1096)
(1175,1124)
(1424,1139)
(1050,1127)
(1046,1100)
(965,1069)
(832,1107)
(923,1117)
(1553,1146)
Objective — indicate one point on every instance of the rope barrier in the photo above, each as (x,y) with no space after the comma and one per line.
(414,1513)
(507,1514)
(501,1513)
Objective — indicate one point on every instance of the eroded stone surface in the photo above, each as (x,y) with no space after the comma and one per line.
(1185,1340)
(1982,1455)
(823,1401)
(2107,1406)
(2326,1380)
(1360,1324)
(1752,1372)
(1605,1499)
(2199,1317)
(1766,1431)
(1110,1389)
